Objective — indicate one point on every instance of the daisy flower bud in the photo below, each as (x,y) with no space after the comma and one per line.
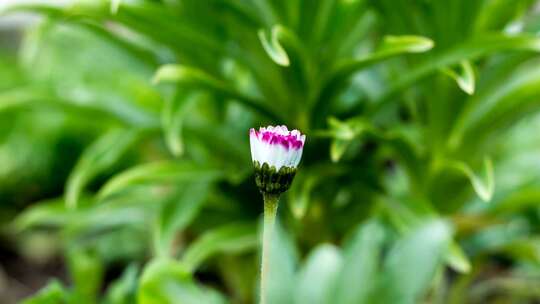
(276,153)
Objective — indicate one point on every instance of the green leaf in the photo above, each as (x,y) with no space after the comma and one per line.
(337,149)
(511,97)
(89,221)
(412,262)
(73,15)
(497,236)
(526,250)
(337,78)
(229,151)
(307,180)
(343,132)
(517,201)
(497,14)
(190,76)
(174,113)
(300,194)
(283,261)
(344,30)
(483,188)
(232,238)
(52,9)
(356,280)
(115,5)
(45,213)
(321,21)
(52,293)
(470,50)
(391,46)
(178,212)
(167,281)
(87,272)
(464,77)
(196,78)
(97,158)
(159,172)
(316,277)
(457,259)
(124,290)
(37,97)
(410,215)
(273,47)
(244,10)
(406,44)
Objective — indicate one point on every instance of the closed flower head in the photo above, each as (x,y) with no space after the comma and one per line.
(276,153)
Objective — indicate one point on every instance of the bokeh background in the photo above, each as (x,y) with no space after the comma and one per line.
(125,174)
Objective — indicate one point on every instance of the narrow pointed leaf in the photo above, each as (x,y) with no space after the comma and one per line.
(53,292)
(470,50)
(232,238)
(174,113)
(124,289)
(464,77)
(284,260)
(360,265)
(391,46)
(316,277)
(100,156)
(483,188)
(457,259)
(273,47)
(167,281)
(196,78)
(115,6)
(159,172)
(177,213)
(412,262)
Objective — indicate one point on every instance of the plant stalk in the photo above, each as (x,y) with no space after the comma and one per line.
(270,210)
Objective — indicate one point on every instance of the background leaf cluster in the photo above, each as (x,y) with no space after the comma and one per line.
(124,149)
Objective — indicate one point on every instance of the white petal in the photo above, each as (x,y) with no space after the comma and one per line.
(278,156)
(259,151)
(297,158)
(253,145)
(265,152)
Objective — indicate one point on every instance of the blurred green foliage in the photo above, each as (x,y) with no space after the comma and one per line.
(420,176)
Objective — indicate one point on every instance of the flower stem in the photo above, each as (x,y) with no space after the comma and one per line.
(270,210)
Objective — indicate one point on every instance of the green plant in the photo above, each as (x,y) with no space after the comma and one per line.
(427,108)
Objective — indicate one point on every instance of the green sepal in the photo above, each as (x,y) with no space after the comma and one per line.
(271,181)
